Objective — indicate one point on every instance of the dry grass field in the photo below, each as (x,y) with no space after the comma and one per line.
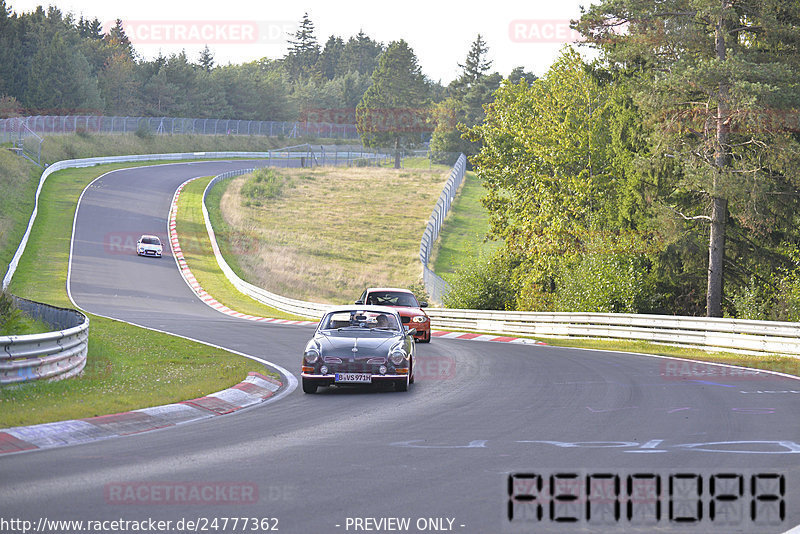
(331,232)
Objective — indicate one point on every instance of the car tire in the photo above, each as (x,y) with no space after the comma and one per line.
(411,374)
(401,385)
(309,387)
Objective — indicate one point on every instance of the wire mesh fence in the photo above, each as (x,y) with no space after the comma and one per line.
(435,285)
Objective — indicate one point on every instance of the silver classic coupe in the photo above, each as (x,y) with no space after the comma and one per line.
(358,345)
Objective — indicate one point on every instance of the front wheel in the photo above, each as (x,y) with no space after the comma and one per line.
(401,385)
(309,387)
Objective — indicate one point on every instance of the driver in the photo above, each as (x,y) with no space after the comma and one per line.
(382,321)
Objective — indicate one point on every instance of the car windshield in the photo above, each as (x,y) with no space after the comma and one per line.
(151,241)
(360,319)
(392,298)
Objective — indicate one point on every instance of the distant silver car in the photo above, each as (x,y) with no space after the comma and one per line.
(359,345)
(149,245)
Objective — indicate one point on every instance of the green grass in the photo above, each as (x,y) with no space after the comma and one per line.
(127,367)
(332,232)
(21,324)
(18,181)
(196,248)
(463,232)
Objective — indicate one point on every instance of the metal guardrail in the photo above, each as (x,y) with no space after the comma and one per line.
(734,334)
(89,162)
(55,124)
(52,355)
(435,285)
(764,337)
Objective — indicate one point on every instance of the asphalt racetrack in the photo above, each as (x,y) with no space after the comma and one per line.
(492,438)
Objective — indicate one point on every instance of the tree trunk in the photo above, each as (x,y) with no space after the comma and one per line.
(722,161)
(716,257)
(397,153)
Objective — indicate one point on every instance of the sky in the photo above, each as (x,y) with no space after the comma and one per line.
(528,34)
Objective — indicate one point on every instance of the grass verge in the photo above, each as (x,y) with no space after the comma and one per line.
(463,232)
(196,248)
(127,367)
(332,231)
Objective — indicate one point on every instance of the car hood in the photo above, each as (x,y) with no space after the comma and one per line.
(341,345)
(409,312)
(149,247)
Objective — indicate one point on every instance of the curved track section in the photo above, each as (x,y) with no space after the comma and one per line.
(436,458)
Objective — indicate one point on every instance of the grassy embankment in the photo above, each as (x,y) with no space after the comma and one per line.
(462,237)
(324,234)
(127,367)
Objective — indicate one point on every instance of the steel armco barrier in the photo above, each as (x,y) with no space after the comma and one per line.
(759,337)
(435,285)
(52,355)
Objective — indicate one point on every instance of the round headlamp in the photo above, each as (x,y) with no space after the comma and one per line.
(311,356)
(397,357)
(418,319)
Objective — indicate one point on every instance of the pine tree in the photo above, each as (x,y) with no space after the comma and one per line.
(206,61)
(303,51)
(710,72)
(392,111)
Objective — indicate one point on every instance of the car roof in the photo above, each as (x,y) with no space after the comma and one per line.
(401,290)
(365,307)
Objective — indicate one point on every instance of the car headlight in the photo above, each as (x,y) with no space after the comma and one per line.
(397,356)
(418,319)
(311,355)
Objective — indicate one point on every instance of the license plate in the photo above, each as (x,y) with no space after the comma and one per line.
(359,378)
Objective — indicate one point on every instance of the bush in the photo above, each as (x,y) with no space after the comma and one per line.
(11,318)
(262,185)
(483,283)
(144,131)
(605,283)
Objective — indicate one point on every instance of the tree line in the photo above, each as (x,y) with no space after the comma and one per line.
(53,64)
(662,178)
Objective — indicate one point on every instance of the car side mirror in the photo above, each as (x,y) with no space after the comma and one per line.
(423,304)
(359,302)
(411,331)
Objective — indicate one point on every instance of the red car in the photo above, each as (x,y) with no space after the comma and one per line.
(409,308)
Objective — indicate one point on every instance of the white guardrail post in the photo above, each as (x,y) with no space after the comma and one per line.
(52,355)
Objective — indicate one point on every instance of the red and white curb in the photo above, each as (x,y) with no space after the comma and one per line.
(256,388)
(484,337)
(195,285)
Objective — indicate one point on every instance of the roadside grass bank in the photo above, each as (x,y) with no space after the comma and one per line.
(196,247)
(463,232)
(127,367)
(18,181)
(331,232)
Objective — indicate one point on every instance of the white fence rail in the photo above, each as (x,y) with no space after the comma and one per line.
(734,334)
(52,355)
(434,284)
(766,337)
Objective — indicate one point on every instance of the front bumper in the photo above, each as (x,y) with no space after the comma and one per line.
(147,252)
(330,379)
